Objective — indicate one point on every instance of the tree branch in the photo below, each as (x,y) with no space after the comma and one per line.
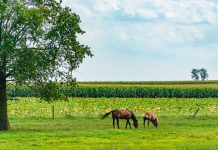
(8,75)
(11,80)
(1,31)
(22,32)
(32,48)
(7,22)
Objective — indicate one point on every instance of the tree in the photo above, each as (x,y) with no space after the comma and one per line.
(38,42)
(194,73)
(203,74)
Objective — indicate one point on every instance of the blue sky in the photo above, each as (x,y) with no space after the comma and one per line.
(141,40)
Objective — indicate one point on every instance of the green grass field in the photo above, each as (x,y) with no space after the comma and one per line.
(77,124)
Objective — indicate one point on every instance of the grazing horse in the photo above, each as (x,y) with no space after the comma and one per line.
(122,114)
(150,117)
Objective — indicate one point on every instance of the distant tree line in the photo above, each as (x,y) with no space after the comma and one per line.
(199,73)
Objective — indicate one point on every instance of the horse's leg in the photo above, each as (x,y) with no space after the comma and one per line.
(114,123)
(118,123)
(153,123)
(156,123)
(148,123)
(127,122)
(144,122)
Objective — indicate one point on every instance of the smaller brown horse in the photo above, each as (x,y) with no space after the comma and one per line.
(122,114)
(150,117)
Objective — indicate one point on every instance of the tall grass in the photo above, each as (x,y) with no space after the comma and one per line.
(96,107)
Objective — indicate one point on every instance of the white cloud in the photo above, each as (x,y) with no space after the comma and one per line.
(181,11)
(103,6)
(79,8)
(188,11)
(206,53)
(145,33)
(159,35)
(179,28)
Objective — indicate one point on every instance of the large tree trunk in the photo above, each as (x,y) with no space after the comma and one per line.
(4,123)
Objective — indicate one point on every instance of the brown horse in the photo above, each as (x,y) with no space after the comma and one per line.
(122,114)
(150,117)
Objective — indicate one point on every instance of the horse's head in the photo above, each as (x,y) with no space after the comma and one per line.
(134,120)
(135,123)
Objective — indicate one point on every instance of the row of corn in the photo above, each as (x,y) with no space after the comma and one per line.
(148,82)
(122,91)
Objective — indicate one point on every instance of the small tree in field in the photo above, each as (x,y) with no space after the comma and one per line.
(194,73)
(203,74)
(37,43)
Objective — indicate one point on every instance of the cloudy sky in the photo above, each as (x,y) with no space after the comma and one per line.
(135,40)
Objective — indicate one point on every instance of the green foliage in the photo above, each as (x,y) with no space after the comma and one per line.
(50,91)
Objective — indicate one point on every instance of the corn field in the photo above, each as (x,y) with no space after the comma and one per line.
(149,82)
(126,90)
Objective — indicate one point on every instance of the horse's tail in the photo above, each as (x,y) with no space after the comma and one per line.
(106,115)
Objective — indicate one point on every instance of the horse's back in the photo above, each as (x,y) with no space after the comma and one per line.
(122,114)
(150,116)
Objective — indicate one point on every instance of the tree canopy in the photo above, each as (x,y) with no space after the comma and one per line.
(38,42)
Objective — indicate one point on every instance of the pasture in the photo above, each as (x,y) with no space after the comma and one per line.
(77,124)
